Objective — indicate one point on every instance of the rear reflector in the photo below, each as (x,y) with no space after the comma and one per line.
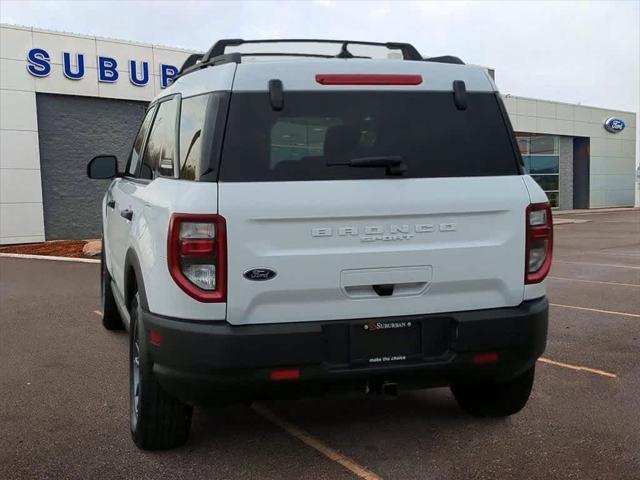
(485,358)
(367,79)
(285,374)
(155,338)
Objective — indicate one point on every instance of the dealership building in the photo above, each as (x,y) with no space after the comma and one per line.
(65,98)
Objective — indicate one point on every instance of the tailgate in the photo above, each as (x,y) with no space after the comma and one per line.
(368,249)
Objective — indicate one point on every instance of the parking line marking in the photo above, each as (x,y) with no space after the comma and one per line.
(311,441)
(49,257)
(598,264)
(577,367)
(98,312)
(596,281)
(635,315)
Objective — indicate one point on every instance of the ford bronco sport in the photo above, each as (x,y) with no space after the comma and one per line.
(349,216)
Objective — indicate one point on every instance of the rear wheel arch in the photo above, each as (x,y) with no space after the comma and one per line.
(134,280)
(111,319)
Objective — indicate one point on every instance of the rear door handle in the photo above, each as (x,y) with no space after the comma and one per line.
(111,204)
(128,214)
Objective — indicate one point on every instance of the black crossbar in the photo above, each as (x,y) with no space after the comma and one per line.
(409,52)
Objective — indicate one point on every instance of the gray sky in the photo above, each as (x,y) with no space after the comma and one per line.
(587,52)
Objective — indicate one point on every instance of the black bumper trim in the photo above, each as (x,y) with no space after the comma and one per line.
(196,359)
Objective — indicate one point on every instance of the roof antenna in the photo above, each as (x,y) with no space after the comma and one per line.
(344,53)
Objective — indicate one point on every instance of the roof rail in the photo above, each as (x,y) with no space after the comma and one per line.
(445,59)
(190,61)
(217,55)
(409,52)
(195,62)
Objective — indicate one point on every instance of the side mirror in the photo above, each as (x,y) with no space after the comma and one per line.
(102,167)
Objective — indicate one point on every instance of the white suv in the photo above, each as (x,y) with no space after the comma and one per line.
(290,222)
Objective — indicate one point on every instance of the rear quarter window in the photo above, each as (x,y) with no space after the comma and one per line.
(159,153)
(317,133)
(200,133)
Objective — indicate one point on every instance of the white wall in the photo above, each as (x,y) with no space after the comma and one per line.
(21,217)
(612,155)
(21,209)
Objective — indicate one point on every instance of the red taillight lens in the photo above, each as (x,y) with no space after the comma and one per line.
(197,247)
(155,338)
(485,358)
(539,242)
(197,255)
(285,374)
(367,79)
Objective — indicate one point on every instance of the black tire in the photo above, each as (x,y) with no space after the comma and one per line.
(493,399)
(111,319)
(159,421)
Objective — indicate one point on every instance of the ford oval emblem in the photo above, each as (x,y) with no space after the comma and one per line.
(614,125)
(259,274)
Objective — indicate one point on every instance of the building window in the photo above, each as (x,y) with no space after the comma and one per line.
(541,156)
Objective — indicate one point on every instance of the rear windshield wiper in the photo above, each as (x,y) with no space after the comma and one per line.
(394,164)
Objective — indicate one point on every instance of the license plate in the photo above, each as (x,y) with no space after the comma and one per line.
(379,342)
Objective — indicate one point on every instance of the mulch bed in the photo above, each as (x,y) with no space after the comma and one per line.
(58,248)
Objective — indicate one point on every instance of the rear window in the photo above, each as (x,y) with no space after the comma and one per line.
(317,134)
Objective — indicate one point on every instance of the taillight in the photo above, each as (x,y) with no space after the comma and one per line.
(539,246)
(197,255)
(367,79)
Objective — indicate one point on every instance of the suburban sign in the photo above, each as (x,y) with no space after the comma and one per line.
(39,65)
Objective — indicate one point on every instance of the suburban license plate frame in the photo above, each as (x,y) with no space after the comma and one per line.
(380,343)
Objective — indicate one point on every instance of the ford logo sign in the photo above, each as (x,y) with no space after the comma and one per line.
(259,274)
(614,125)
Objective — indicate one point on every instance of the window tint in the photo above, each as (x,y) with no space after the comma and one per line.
(547,144)
(197,124)
(542,160)
(134,158)
(159,154)
(294,139)
(317,133)
(544,164)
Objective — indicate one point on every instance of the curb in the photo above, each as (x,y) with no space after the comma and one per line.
(566,221)
(589,211)
(49,257)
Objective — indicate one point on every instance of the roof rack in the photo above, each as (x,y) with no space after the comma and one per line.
(445,59)
(408,51)
(217,55)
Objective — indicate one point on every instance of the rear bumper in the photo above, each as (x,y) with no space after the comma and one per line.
(206,362)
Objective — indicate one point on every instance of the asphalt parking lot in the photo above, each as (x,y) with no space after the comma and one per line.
(64,391)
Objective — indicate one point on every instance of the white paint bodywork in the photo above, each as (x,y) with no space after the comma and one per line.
(472,258)
(152,204)
(447,244)
(301,75)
